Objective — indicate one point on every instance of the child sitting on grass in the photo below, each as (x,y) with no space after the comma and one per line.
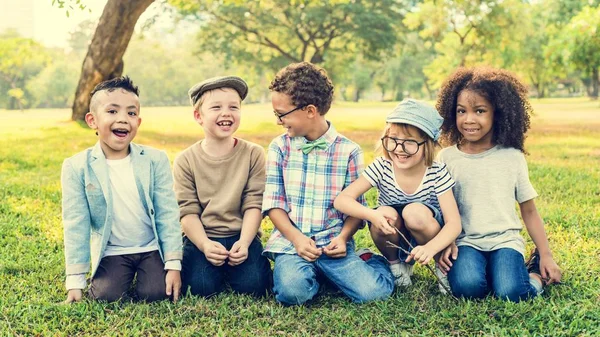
(486,115)
(219,183)
(414,193)
(118,206)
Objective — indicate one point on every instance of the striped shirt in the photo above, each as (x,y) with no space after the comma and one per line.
(435,182)
(305,186)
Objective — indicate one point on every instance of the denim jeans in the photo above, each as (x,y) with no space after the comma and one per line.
(253,276)
(295,279)
(502,272)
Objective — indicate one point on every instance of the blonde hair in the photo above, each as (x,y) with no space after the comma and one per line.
(429,147)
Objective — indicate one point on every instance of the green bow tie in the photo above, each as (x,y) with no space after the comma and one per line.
(317,144)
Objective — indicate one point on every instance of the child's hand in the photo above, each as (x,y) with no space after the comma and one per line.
(444,261)
(307,248)
(421,254)
(238,253)
(549,269)
(382,222)
(336,248)
(74,295)
(173,281)
(215,253)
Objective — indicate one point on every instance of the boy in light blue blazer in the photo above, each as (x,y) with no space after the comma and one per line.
(119,212)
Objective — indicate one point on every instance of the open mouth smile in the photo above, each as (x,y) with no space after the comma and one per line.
(225,123)
(121,133)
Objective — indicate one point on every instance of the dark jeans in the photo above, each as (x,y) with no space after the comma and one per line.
(115,276)
(252,276)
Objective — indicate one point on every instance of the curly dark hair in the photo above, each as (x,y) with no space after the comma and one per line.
(306,84)
(504,91)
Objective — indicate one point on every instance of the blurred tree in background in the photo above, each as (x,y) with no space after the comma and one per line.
(374,50)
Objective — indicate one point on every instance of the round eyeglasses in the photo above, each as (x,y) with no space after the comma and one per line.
(280,116)
(409,146)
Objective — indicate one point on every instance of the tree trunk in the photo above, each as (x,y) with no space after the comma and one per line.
(595,80)
(104,59)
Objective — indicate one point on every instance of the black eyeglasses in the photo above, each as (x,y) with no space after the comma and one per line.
(409,146)
(280,116)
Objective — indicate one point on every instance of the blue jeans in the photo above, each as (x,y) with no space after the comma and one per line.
(295,279)
(253,276)
(475,274)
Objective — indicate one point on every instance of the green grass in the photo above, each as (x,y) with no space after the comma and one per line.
(564,165)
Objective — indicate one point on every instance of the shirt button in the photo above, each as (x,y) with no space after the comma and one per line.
(151,212)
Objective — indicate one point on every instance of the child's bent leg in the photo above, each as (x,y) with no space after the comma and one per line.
(198,274)
(151,275)
(254,275)
(420,221)
(294,279)
(467,277)
(113,278)
(361,281)
(509,276)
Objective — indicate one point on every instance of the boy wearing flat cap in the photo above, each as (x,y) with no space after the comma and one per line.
(219,184)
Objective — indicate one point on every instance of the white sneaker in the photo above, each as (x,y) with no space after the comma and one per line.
(443,278)
(402,272)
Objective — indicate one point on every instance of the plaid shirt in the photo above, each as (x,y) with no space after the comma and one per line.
(305,185)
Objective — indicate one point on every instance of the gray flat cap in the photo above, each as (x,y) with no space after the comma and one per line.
(233,82)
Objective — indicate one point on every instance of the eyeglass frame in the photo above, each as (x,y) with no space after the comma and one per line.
(280,116)
(401,142)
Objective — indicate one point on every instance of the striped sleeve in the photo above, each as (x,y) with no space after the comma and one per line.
(444,180)
(373,172)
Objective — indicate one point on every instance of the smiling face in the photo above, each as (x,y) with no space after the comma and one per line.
(219,113)
(475,120)
(115,117)
(401,159)
(296,123)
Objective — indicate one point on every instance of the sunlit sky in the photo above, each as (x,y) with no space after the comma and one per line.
(45,23)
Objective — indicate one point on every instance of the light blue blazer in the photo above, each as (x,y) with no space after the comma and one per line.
(87,205)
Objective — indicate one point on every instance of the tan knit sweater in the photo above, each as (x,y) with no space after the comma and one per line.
(220,189)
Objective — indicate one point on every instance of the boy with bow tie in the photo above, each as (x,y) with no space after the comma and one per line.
(306,169)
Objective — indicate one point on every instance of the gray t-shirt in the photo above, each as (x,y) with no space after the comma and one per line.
(487,186)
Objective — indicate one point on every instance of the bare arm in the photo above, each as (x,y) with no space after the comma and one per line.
(346,202)
(535,227)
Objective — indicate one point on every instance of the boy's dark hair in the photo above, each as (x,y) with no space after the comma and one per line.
(506,94)
(123,82)
(306,84)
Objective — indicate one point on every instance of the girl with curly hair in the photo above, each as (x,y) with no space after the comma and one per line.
(486,116)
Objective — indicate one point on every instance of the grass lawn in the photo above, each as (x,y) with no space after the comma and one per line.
(564,166)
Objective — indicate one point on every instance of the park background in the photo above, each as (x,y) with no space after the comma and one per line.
(377,53)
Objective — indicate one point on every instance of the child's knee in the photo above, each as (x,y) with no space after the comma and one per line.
(468,285)
(416,216)
(295,290)
(373,292)
(150,292)
(388,212)
(292,292)
(106,292)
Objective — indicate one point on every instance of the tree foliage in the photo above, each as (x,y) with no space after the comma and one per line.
(273,33)
(20,60)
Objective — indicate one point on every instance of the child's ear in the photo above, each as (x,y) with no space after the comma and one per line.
(90,119)
(198,116)
(312,111)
